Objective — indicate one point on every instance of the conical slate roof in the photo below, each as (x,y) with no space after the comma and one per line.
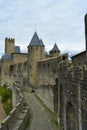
(41,42)
(35,41)
(55,48)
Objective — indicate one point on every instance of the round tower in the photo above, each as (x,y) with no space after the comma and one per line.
(35,53)
(55,51)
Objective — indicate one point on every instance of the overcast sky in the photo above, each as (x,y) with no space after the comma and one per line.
(58,21)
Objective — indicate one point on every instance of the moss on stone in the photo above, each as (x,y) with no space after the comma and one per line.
(6,96)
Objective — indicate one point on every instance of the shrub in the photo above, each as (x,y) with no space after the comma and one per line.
(6,96)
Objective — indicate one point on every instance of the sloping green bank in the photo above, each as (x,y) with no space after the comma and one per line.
(6,96)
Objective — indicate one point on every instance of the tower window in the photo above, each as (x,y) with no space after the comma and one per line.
(64,58)
(11,68)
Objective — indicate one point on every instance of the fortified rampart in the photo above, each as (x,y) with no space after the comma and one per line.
(68,95)
(14,72)
(72,98)
(18,116)
(61,84)
(48,71)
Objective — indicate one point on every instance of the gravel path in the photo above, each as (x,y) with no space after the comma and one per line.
(40,118)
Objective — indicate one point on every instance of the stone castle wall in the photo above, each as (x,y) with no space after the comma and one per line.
(79,60)
(47,71)
(14,72)
(46,94)
(60,85)
(72,98)
(19,57)
(19,114)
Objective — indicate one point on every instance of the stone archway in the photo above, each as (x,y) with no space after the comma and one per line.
(71,123)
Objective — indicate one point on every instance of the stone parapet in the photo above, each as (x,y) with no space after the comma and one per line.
(18,116)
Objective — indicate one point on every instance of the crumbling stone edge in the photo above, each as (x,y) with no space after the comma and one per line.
(19,115)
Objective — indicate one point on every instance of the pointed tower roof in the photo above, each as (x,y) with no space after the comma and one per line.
(41,42)
(35,41)
(55,48)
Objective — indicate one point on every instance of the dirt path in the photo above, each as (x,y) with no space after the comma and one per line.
(40,118)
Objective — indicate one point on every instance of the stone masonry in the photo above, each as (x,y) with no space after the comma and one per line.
(59,82)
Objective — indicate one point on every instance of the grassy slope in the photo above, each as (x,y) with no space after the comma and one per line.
(6,96)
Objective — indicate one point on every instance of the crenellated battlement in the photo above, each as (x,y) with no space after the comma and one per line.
(9,45)
(9,39)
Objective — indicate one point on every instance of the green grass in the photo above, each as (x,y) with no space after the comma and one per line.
(6,96)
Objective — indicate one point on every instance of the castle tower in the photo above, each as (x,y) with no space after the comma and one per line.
(9,45)
(55,51)
(35,53)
